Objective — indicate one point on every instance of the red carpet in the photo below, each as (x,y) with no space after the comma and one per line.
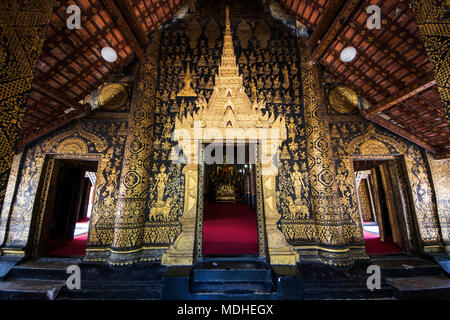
(62,247)
(374,245)
(229,229)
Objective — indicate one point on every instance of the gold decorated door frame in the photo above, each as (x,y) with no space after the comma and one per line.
(399,199)
(273,245)
(262,250)
(42,195)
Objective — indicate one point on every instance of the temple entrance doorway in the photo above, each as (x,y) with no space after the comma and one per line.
(383,205)
(66,216)
(230,225)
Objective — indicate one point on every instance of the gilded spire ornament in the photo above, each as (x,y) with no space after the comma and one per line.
(229,112)
(229,105)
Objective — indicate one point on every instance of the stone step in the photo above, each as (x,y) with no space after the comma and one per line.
(349,289)
(30,289)
(407,267)
(7,263)
(229,276)
(242,287)
(234,296)
(114,291)
(426,287)
(42,269)
(234,275)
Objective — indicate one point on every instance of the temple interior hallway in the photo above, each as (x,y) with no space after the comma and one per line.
(229,214)
(66,217)
(382,208)
(229,229)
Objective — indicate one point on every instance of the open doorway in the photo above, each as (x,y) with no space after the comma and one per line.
(382,206)
(230,226)
(69,206)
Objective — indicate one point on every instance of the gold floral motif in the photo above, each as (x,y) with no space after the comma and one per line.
(343,99)
(112,96)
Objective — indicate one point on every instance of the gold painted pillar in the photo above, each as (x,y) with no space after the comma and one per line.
(13,182)
(134,180)
(330,222)
(440,172)
(23,27)
(280,251)
(181,252)
(432,18)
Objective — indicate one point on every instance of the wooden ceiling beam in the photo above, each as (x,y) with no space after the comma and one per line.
(358,90)
(326,19)
(336,26)
(192,6)
(58,95)
(443,155)
(404,94)
(361,75)
(389,52)
(132,19)
(124,28)
(73,56)
(64,37)
(397,130)
(267,4)
(294,12)
(59,122)
(365,59)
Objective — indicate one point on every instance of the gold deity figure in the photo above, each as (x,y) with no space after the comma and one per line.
(292,129)
(286,82)
(161,179)
(187,90)
(297,178)
(254,93)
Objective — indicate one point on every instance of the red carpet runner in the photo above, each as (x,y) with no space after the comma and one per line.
(374,245)
(76,247)
(229,229)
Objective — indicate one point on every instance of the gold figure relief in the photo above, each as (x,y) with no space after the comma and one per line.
(212,33)
(263,34)
(161,208)
(286,82)
(244,33)
(187,90)
(193,31)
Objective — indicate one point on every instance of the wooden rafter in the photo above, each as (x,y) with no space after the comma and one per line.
(125,28)
(59,122)
(132,20)
(325,21)
(404,94)
(337,25)
(398,130)
(443,155)
(365,59)
(192,6)
(267,4)
(60,96)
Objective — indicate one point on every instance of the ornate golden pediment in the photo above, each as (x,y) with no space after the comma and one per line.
(229,106)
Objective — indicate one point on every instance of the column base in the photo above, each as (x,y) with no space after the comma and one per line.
(181,253)
(283,257)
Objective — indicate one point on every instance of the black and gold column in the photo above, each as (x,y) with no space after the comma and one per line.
(330,222)
(23,27)
(134,181)
(432,17)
